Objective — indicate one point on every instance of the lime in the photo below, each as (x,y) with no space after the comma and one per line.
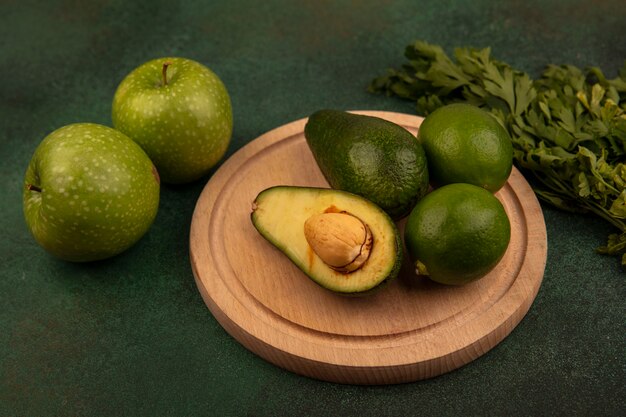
(457,233)
(466,144)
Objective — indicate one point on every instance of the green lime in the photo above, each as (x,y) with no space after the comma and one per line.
(466,144)
(457,233)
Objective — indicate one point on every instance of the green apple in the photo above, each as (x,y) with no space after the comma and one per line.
(179,112)
(90,192)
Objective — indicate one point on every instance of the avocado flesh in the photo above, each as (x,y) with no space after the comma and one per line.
(369,156)
(279,214)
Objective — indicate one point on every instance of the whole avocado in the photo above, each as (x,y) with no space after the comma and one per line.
(369,156)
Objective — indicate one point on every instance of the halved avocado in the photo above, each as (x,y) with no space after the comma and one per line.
(281,212)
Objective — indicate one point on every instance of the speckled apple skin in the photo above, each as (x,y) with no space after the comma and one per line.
(99,192)
(184,125)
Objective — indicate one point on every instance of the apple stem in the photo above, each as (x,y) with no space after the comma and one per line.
(31,187)
(165,65)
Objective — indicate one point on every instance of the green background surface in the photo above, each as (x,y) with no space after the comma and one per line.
(132,336)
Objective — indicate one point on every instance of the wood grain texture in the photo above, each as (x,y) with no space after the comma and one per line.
(409,330)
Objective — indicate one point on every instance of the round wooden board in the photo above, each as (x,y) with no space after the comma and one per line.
(412,329)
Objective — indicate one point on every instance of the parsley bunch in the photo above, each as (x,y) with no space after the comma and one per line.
(568,127)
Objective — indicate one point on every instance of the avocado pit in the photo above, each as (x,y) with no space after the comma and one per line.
(341,240)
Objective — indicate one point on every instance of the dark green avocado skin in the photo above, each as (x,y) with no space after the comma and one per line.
(371,157)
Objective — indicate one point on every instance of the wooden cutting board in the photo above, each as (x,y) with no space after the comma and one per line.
(412,329)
